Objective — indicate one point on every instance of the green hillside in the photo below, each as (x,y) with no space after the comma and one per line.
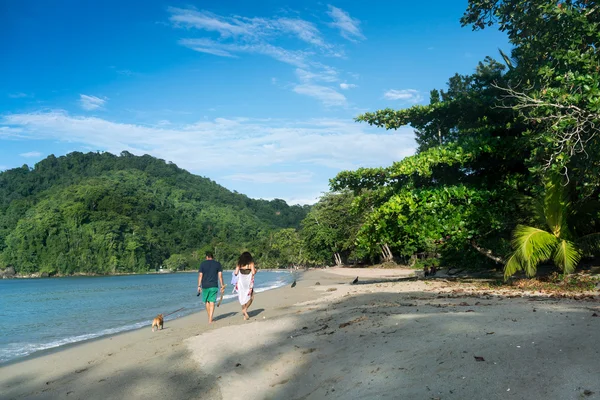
(101,213)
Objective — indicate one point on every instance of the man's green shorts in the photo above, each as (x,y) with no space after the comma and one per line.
(209,295)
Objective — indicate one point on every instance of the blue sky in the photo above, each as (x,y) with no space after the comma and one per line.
(258,96)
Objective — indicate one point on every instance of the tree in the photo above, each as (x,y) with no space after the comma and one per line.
(558,92)
(289,248)
(103,214)
(557,242)
(329,229)
(177,262)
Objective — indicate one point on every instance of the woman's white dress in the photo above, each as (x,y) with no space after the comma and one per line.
(244,287)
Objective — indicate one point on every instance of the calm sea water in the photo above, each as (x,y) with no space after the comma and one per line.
(39,314)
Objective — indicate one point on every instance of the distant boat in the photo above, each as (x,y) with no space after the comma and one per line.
(164,271)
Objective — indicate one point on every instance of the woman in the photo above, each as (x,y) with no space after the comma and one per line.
(245,272)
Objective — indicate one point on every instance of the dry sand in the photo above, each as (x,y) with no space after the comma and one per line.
(400,340)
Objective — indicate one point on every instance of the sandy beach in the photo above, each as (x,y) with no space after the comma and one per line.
(326,338)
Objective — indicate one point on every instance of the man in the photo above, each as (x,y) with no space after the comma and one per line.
(210,274)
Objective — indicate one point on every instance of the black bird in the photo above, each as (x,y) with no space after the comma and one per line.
(354,282)
(294,284)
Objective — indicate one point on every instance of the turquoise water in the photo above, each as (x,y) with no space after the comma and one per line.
(39,314)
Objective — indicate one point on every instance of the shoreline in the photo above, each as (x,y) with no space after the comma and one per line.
(328,338)
(35,374)
(92,275)
(119,330)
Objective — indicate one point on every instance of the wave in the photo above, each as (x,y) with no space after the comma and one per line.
(18,350)
(13,351)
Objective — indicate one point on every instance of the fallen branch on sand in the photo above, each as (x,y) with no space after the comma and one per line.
(354,321)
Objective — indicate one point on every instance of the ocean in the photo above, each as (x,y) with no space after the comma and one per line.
(46,313)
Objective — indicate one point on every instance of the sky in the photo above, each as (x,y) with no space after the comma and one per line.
(259,96)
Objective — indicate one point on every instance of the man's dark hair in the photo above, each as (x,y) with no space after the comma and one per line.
(209,254)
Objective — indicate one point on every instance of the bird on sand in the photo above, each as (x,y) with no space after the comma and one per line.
(294,284)
(354,282)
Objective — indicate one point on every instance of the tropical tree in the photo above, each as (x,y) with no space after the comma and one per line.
(329,229)
(557,242)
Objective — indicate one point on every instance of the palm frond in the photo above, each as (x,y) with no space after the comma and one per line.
(533,243)
(567,256)
(512,266)
(530,268)
(507,60)
(557,207)
(532,246)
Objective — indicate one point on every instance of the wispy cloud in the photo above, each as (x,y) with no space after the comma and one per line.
(349,27)
(303,30)
(237,35)
(325,74)
(347,86)
(273,177)
(296,58)
(248,30)
(7,132)
(91,102)
(31,154)
(327,95)
(330,143)
(226,27)
(19,95)
(406,95)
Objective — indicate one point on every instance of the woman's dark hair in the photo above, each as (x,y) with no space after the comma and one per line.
(245,259)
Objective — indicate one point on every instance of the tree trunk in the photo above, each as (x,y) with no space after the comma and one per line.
(386,252)
(488,253)
(338,259)
(391,256)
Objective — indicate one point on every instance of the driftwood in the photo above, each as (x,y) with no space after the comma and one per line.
(488,253)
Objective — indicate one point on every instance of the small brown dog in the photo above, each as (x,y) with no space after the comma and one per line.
(157,322)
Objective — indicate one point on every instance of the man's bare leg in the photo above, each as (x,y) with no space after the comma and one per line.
(210,309)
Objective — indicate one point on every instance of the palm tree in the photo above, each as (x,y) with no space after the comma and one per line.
(557,243)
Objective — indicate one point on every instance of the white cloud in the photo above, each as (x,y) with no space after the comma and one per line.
(10,132)
(293,57)
(347,86)
(302,29)
(205,20)
(248,30)
(406,95)
(301,200)
(321,143)
(349,27)
(91,102)
(31,154)
(325,74)
(326,95)
(272,177)
(241,35)
(19,95)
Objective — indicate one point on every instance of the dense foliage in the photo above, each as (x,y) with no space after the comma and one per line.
(99,213)
(487,146)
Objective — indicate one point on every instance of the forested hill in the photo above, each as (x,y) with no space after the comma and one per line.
(101,213)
